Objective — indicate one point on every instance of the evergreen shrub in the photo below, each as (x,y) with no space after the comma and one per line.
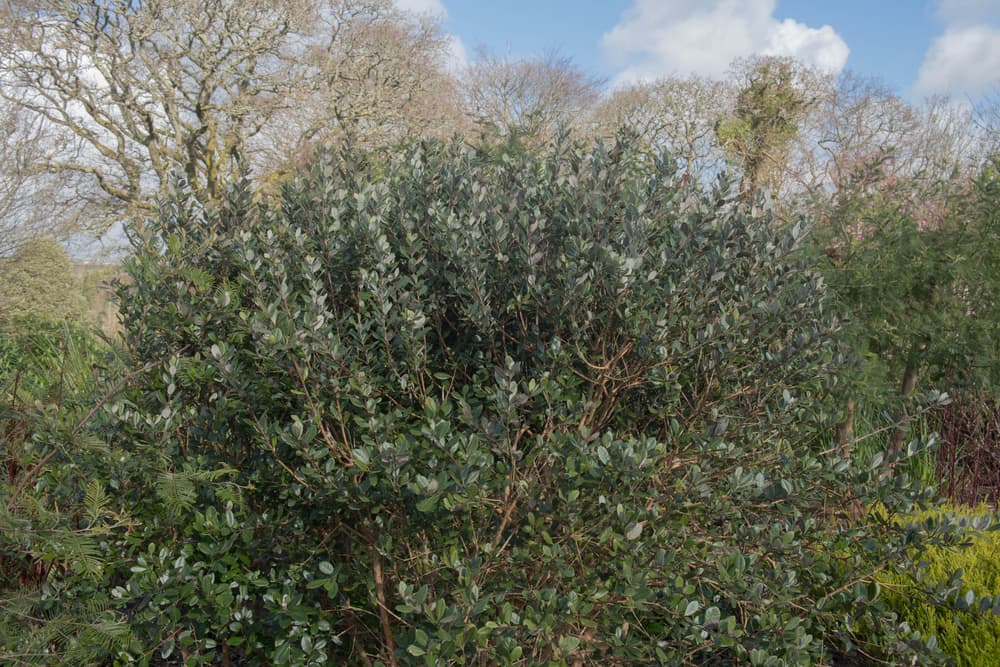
(491,406)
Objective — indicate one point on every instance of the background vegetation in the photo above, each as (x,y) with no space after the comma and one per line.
(410,365)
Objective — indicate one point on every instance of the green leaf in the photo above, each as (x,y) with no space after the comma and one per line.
(568,644)
(428,504)
(167,648)
(602,454)
(635,531)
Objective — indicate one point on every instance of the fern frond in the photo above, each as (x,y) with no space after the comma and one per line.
(84,633)
(95,501)
(108,634)
(213,475)
(90,442)
(199,278)
(176,489)
(82,552)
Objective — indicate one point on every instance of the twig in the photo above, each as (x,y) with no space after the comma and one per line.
(83,422)
(118,386)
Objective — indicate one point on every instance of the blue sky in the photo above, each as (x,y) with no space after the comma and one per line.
(917,47)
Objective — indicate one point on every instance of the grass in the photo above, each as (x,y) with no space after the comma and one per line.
(873,428)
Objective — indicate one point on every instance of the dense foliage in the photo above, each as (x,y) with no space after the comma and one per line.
(57,522)
(919,279)
(479,406)
(971,639)
(38,281)
(914,274)
(530,402)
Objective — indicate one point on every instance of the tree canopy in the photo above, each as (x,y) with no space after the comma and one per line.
(212,90)
(39,281)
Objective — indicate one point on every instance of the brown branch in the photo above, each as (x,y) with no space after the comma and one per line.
(383,609)
(274,450)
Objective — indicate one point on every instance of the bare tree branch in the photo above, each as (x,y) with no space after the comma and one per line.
(213,89)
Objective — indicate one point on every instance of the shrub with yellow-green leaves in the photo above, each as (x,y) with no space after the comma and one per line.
(964,581)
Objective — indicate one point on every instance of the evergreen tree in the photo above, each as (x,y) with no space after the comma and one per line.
(38,281)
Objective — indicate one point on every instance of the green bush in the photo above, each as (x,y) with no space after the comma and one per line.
(39,281)
(57,519)
(44,359)
(964,626)
(914,276)
(484,406)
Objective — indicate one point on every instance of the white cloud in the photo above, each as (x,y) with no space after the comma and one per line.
(656,38)
(965,59)
(457,58)
(433,7)
(965,12)
(819,47)
(962,61)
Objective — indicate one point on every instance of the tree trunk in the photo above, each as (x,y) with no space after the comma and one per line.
(903,419)
(844,433)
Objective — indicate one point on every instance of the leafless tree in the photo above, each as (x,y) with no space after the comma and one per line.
(947,142)
(860,136)
(855,125)
(987,113)
(678,115)
(536,96)
(33,202)
(209,89)
(379,76)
